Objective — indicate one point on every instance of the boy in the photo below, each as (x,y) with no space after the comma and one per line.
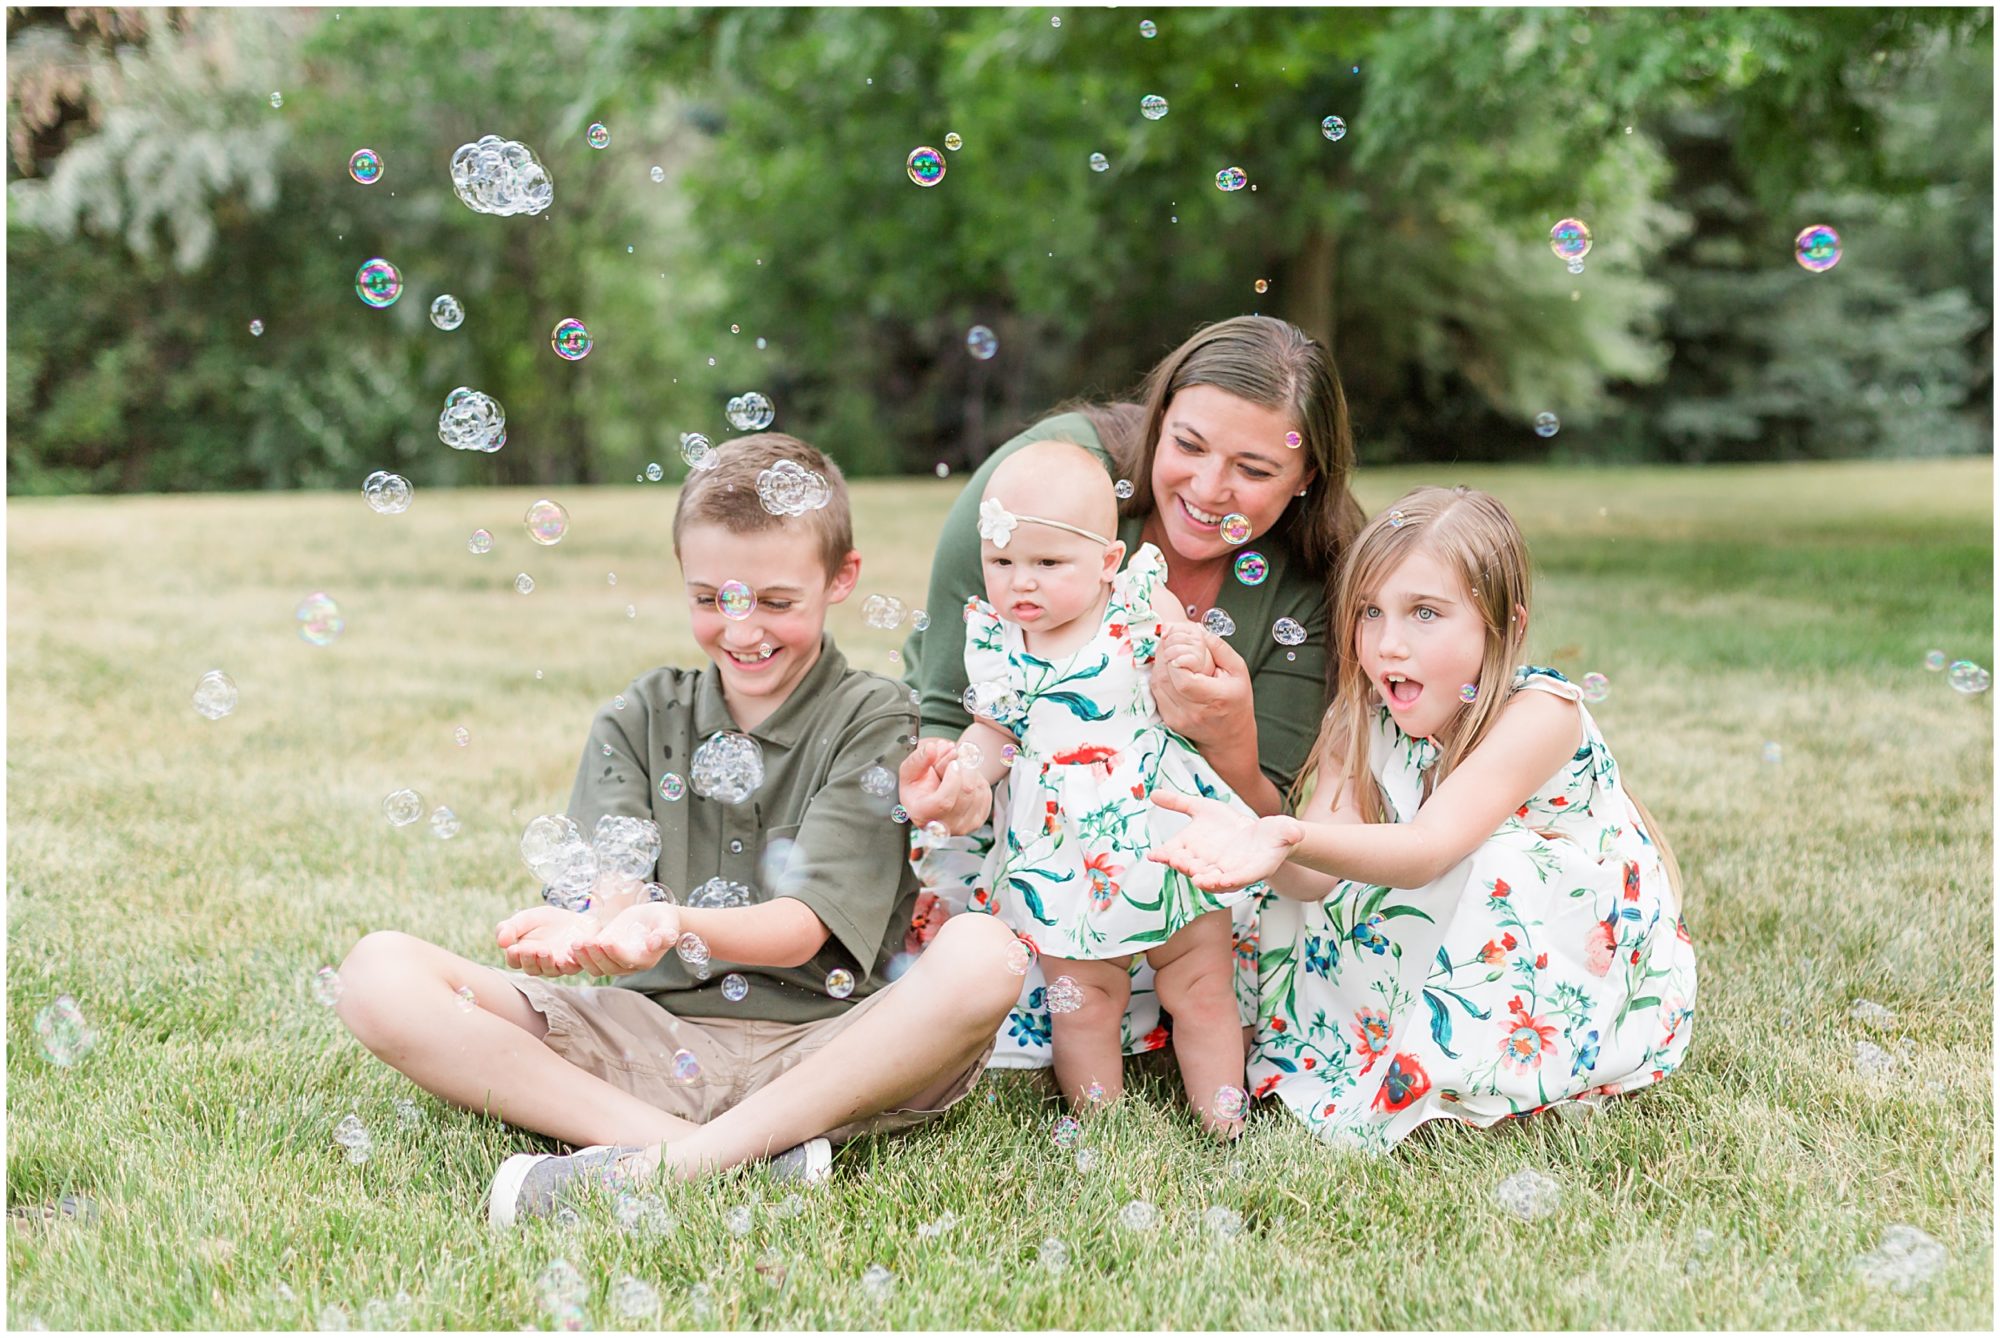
(664,1070)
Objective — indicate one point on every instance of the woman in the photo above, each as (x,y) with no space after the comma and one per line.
(1245,419)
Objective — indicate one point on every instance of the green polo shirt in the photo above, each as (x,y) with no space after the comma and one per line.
(851,863)
(1288,690)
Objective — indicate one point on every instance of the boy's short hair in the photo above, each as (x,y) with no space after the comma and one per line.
(727,495)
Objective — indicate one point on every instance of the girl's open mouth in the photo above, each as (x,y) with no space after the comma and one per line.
(1400,691)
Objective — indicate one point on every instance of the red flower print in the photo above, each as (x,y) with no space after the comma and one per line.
(1558,802)
(1600,945)
(1103,876)
(1328,1109)
(1500,888)
(1509,942)
(1096,756)
(1117,631)
(1635,956)
(1139,791)
(1404,1083)
(1310,1061)
(1154,1039)
(1371,1028)
(1681,930)
(1491,954)
(1528,1038)
(1631,880)
(1521,812)
(1277,1024)
(1266,1087)
(1541,960)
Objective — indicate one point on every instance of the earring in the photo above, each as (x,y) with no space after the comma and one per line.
(1300,493)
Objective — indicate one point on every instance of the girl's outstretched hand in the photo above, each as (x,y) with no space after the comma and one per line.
(633,940)
(1223,849)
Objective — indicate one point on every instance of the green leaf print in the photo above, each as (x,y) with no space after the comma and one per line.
(1078,705)
(1440,1025)
(1033,898)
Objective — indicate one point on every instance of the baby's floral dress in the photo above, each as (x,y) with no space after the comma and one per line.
(1551,964)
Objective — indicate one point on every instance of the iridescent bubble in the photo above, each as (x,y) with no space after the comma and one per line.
(1122,489)
(526,585)
(570,340)
(1934,661)
(480,542)
(547,522)
(326,986)
(378,283)
(447,312)
(925,166)
(897,813)
(403,807)
(1570,239)
(727,767)
(365,166)
(1055,20)
(462,736)
(654,473)
(1468,693)
(970,755)
(672,787)
(1063,995)
(597,135)
(387,494)
(1968,677)
(735,601)
(1293,441)
(320,623)
(1252,567)
(214,695)
(884,612)
(256,327)
(1596,687)
(1021,955)
(1152,106)
(444,823)
(980,343)
(1262,285)
(1099,163)
(750,412)
(919,619)
(1547,424)
(1235,528)
(878,781)
(1219,622)
(1333,128)
(734,987)
(1066,1132)
(1288,632)
(1397,520)
(1817,248)
(64,1035)
(696,453)
(1147,28)
(953,142)
(1231,179)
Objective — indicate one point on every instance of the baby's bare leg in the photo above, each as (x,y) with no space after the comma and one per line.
(1194,977)
(400,998)
(1087,1049)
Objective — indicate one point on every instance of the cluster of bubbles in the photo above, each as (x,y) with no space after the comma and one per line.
(1219,622)
(749,412)
(570,339)
(727,767)
(1547,424)
(501,176)
(447,312)
(1288,632)
(1063,995)
(1333,128)
(353,1135)
(1907,1258)
(1139,1215)
(62,1033)
(878,781)
(378,283)
(214,695)
(634,1298)
(365,166)
(1528,1195)
(719,894)
(1152,106)
(1231,179)
(1222,1222)
(1872,1061)
(472,421)
(697,453)
(598,136)
(883,612)
(1235,528)
(1099,163)
(877,1281)
(981,343)
(993,699)
(788,488)
(547,522)
(1252,567)
(925,165)
(320,623)
(554,847)
(1817,248)
(387,494)
(1595,687)
(402,807)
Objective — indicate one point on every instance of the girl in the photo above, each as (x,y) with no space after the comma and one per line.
(1059,655)
(1476,919)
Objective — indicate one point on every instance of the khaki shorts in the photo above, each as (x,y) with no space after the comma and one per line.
(625,1038)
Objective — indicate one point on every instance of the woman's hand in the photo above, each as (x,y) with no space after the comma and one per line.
(633,940)
(1204,692)
(540,939)
(1223,849)
(933,787)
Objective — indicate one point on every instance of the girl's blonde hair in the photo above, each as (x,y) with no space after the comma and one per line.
(1471,534)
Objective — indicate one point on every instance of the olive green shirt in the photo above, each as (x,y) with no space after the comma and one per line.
(851,863)
(1288,694)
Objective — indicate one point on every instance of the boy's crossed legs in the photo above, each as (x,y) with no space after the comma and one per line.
(1194,974)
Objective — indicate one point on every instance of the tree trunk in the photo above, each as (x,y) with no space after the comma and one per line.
(1315,274)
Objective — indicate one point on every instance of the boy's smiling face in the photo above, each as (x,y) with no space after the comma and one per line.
(766,654)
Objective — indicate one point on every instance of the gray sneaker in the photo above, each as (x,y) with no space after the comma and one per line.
(536,1184)
(810,1163)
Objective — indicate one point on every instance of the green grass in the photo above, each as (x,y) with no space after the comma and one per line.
(182,879)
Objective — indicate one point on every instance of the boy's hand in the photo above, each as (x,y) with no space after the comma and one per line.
(540,939)
(633,940)
(1223,849)
(934,788)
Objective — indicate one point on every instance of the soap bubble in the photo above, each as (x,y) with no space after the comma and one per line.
(882,611)
(444,823)
(654,473)
(526,585)
(1871,1014)
(597,135)
(479,542)
(1968,677)
(1053,1255)
(1099,163)
(735,600)
(1122,489)
(472,421)
(970,756)
(719,894)
(727,767)
(839,982)
(320,623)
(1262,285)
(256,327)
(1574,267)
(1147,29)
(387,494)
(214,695)
(547,522)
(734,988)
(1230,1102)
(1288,632)
(1528,1195)
(378,283)
(501,176)
(1293,441)
(953,142)
(1817,248)
(980,343)
(1021,955)
(1139,1215)
(750,412)
(1570,239)
(1152,106)
(1774,752)
(447,312)
(570,340)
(687,1069)
(365,166)
(696,452)
(1596,687)
(1063,995)
(1934,661)
(878,781)
(327,987)
(1225,1223)
(878,1282)
(672,787)
(1333,128)
(64,1036)
(1251,567)
(1235,528)
(1907,1258)
(925,166)
(658,173)
(352,1134)
(461,736)
(1055,20)
(1219,622)
(1547,424)
(790,489)
(919,619)
(277,100)
(1468,693)
(403,807)
(1231,179)
(634,1298)
(1066,1132)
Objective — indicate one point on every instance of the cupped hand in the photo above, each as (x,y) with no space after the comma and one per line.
(633,940)
(539,940)
(1204,692)
(933,787)
(1224,849)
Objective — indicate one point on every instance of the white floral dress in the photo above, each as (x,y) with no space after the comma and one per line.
(1552,963)
(1070,870)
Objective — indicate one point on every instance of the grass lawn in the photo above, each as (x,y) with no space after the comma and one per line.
(182,879)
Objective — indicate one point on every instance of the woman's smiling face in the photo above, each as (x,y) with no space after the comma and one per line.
(1219,454)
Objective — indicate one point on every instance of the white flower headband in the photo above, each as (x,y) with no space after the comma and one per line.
(996,523)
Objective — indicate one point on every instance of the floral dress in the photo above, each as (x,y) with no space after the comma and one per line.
(1552,963)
